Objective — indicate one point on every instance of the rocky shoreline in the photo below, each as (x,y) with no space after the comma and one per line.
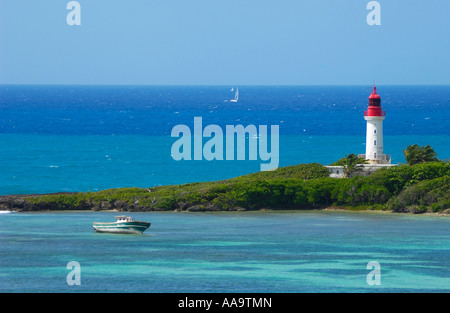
(22,203)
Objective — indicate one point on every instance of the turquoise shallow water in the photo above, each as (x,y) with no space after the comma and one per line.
(306,251)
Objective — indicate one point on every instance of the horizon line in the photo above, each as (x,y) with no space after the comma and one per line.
(217,85)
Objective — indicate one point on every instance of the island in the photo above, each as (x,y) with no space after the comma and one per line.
(418,188)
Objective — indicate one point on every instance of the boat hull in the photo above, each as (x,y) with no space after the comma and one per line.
(122,227)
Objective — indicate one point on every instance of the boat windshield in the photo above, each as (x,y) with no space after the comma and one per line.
(124,218)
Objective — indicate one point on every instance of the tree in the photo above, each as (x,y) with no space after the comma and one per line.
(352,165)
(419,154)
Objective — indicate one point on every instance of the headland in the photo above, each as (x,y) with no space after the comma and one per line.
(420,188)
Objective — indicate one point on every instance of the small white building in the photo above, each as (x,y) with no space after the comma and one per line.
(338,171)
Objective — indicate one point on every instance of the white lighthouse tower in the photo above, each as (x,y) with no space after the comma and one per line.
(374,136)
(374,141)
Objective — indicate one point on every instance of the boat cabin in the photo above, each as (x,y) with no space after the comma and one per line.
(123,218)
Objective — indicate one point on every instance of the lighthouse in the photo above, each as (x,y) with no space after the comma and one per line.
(375,156)
(374,134)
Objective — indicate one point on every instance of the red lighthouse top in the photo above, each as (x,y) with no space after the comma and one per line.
(374,94)
(374,108)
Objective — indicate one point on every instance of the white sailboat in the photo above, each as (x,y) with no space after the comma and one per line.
(236,96)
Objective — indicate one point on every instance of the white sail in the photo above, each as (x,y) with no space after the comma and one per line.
(236,96)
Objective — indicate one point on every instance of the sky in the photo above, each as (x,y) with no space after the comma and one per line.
(225,42)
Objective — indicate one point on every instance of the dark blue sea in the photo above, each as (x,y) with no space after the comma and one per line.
(80,138)
(89,138)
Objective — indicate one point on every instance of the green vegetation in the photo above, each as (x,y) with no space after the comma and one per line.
(419,188)
(352,165)
(416,154)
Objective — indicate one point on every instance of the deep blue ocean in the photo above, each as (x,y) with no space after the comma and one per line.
(81,138)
